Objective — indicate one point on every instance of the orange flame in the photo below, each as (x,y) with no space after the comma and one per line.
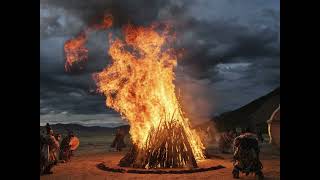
(139,83)
(75,51)
(76,54)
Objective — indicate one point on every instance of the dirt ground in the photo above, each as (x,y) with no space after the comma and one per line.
(83,166)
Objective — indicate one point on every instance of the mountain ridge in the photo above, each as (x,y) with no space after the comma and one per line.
(253,115)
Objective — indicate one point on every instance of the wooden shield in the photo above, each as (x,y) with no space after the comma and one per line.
(74,143)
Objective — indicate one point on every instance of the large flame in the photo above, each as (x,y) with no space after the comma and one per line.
(139,83)
(76,54)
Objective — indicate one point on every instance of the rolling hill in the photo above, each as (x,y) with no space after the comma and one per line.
(254,114)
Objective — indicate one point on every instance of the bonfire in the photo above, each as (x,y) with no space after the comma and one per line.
(139,84)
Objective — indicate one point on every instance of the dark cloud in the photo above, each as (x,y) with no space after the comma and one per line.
(231,50)
(59,17)
(226,41)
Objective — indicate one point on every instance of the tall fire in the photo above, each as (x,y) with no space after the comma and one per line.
(139,84)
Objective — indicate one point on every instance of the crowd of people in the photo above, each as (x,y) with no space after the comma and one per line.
(53,150)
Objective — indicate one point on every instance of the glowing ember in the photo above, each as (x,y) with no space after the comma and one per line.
(139,85)
(76,54)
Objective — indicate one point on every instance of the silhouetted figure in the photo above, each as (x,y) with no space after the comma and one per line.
(226,140)
(57,150)
(48,148)
(246,155)
(53,147)
(260,136)
(45,166)
(68,145)
(118,141)
(238,131)
(48,128)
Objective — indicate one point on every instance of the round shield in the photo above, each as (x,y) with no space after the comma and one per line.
(74,143)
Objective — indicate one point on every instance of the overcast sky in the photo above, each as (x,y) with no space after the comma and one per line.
(232,54)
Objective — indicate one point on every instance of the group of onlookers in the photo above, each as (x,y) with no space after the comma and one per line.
(53,150)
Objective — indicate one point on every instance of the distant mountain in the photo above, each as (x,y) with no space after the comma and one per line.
(77,128)
(254,114)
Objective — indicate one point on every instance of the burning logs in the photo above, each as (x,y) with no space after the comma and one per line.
(167,147)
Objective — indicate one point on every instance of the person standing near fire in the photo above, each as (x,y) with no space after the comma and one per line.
(53,147)
(68,145)
(49,146)
(118,142)
(45,165)
(246,155)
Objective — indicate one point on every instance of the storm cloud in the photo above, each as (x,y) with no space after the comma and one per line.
(232,51)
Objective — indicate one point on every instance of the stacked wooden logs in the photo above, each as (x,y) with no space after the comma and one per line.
(167,147)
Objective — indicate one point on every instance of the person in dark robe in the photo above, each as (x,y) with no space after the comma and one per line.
(246,155)
(118,142)
(45,166)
